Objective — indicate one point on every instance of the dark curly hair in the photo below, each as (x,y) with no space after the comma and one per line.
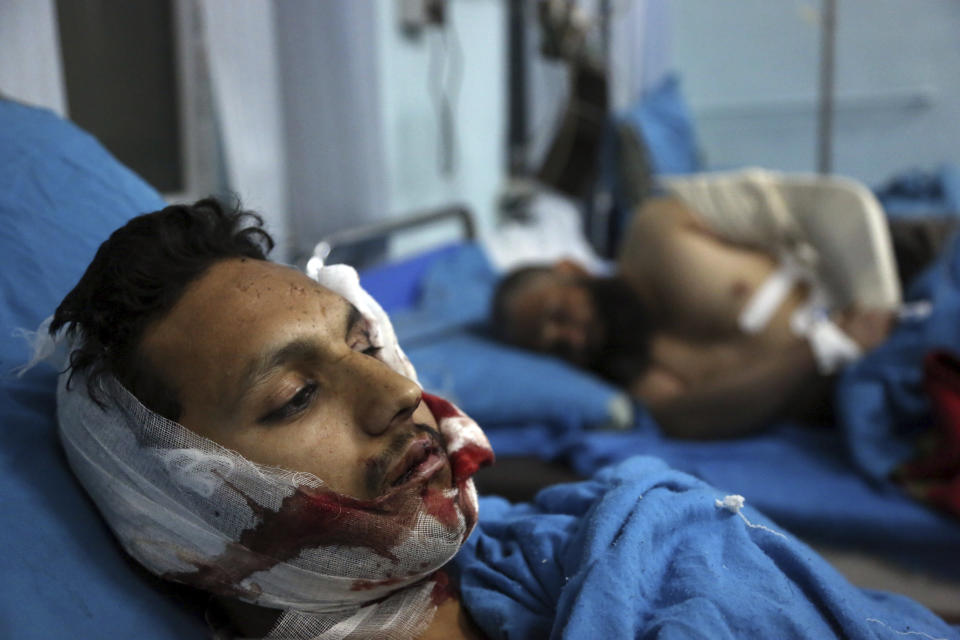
(507,289)
(136,277)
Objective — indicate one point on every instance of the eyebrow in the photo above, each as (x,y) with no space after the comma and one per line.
(298,350)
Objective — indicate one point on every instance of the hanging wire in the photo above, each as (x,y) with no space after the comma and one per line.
(828,36)
(444,77)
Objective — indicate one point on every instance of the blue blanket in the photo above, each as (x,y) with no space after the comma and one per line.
(644,551)
(880,399)
(800,477)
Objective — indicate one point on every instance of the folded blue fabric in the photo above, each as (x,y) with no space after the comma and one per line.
(663,119)
(880,400)
(918,192)
(644,551)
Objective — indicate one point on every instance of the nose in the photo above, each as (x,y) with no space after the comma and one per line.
(383,399)
(568,333)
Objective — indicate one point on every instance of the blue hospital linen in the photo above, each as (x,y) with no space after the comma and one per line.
(642,550)
(881,403)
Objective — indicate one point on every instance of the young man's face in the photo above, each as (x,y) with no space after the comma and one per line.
(555,313)
(270,364)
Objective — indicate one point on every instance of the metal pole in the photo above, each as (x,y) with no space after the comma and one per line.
(828,35)
(518,134)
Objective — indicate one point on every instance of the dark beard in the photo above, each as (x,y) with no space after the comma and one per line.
(625,351)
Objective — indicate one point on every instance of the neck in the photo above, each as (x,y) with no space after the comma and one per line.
(451,621)
(627,327)
(248,620)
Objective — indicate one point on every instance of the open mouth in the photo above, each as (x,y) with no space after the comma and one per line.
(422,459)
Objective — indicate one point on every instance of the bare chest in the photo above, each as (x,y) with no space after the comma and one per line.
(699,288)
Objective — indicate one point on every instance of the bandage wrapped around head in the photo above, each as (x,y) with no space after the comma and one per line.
(194,512)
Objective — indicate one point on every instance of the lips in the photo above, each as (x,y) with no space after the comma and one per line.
(421,460)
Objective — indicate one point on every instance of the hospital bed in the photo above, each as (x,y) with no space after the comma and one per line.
(61,194)
(549,422)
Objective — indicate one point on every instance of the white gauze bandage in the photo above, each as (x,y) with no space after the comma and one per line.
(832,348)
(191,511)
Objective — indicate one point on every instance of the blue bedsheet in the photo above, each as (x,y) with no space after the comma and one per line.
(881,402)
(642,550)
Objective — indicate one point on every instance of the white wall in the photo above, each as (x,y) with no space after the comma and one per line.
(410,118)
(750,73)
(242,51)
(30,67)
(330,82)
(362,128)
(323,107)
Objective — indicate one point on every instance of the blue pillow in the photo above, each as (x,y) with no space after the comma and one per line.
(663,119)
(453,293)
(397,285)
(61,195)
(499,386)
(496,384)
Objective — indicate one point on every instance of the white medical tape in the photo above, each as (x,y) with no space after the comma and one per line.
(832,348)
(758,312)
(770,295)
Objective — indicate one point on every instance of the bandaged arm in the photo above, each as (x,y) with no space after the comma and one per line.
(734,404)
(837,217)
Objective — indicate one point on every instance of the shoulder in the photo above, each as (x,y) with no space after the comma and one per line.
(654,230)
(666,213)
(657,385)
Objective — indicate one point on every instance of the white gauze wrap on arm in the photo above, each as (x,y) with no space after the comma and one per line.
(194,512)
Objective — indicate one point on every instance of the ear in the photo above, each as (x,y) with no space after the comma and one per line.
(569,268)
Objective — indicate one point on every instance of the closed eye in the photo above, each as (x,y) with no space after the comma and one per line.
(294,406)
(372,351)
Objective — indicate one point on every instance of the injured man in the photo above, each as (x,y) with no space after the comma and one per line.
(259,435)
(734,298)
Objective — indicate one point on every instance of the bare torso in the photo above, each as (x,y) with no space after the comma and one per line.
(704,376)
(696,286)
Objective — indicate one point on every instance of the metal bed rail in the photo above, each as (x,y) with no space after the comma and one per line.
(376,234)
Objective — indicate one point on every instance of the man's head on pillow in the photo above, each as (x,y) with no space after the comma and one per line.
(183,308)
(259,434)
(562,310)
